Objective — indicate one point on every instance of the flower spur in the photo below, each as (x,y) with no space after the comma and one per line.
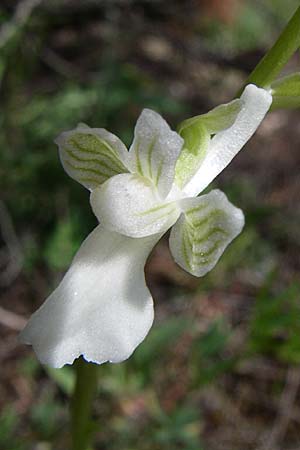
(102,308)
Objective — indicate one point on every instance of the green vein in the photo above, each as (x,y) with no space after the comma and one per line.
(185,253)
(188,238)
(85,169)
(196,209)
(95,141)
(210,251)
(209,233)
(150,151)
(89,180)
(166,214)
(109,147)
(137,158)
(213,214)
(154,209)
(93,161)
(159,172)
(110,154)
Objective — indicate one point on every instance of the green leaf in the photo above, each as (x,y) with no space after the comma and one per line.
(274,326)
(8,423)
(286,92)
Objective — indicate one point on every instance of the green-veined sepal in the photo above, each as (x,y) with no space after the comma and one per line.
(91,155)
(286,92)
(205,228)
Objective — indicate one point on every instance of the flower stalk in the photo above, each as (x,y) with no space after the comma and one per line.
(81,404)
(279,54)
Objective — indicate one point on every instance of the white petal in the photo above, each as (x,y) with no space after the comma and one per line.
(91,155)
(209,223)
(102,309)
(130,205)
(226,144)
(154,151)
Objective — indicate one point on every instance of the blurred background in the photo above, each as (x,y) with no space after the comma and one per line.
(220,368)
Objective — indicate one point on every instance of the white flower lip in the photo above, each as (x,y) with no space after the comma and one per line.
(102,308)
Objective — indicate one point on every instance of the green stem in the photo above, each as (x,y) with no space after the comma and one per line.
(277,57)
(81,404)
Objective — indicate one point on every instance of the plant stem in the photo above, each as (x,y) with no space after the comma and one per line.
(277,57)
(86,373)
(81,404)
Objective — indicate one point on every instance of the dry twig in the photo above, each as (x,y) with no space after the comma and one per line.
(12,320)
(19,19)
(15,255)
(272,440)
(59,65)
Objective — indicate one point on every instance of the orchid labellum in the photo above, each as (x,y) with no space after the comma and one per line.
(103,309)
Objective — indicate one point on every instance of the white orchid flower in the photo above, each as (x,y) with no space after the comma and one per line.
(103,309)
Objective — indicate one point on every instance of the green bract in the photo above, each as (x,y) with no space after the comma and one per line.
(286,92)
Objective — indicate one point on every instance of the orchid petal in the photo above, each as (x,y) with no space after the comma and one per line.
(91,155)
(196,133)
(129,204)
(154,151)
(196,142)
(218,119)
(102,309)
(226,144)
(208,224)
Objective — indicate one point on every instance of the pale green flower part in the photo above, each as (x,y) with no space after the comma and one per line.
(103,309)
